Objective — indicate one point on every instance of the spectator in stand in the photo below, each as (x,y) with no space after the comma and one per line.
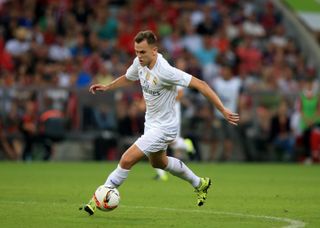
(48,27)
(19,45)
(6,61)
(173,44)
(199,127)
(58,51)
(208,25)
(104,118)
(51,129)
(80,48)
(103,75)
(246,128)
(287,84)
(72,113)
(92,63)
(267,83)
(269,18)
(129,118)
(82,11)
(164,27)
(252,27)
(228,89)
(221,41)
(208,53)
(278,38)
(261,133)
(132,123)
(105,25)
(29,129)
(6,145)
(191,40)
(249,55)
(309,108)
(281,135)
(83,78)
(27,18)
(249,35)
(64,77)
(126,34)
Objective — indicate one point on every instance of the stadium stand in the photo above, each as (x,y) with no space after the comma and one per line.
(52,50)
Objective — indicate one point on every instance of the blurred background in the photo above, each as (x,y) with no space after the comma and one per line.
(261,57)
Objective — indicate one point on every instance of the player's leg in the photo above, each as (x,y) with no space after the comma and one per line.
(128,159)
(177,168)
(178,147)
(174,166)
(119,175)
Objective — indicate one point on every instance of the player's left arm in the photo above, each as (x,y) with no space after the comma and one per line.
(206,91)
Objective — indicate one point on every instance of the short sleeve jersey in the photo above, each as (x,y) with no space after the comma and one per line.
(159,91)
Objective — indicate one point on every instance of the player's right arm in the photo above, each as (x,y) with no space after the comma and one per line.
(122,81)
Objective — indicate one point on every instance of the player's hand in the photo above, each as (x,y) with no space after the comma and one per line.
(231,117)
(97,87)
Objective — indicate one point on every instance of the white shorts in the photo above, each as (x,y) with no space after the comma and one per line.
(154,140)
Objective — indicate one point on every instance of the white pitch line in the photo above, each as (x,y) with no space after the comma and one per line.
(291,222)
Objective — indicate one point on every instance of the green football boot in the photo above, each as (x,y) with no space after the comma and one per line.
(90,207)
(202,190)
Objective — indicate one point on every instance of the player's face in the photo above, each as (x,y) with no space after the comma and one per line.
(146,53)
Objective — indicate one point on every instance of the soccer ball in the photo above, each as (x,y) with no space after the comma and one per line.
(106,198)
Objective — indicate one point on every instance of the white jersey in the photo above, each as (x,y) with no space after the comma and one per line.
(177,108)
(159,91)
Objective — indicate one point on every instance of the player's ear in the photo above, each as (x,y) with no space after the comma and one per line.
(154,50)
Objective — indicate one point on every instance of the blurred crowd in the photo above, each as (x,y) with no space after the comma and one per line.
(51,49)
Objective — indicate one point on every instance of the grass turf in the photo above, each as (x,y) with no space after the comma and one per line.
(243,195)
(304,5)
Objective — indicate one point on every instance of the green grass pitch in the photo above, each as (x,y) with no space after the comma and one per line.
(242,195)
(304,5)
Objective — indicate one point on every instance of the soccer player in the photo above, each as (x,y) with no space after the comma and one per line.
(158,80)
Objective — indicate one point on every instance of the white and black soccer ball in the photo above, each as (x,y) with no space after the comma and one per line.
(106,198)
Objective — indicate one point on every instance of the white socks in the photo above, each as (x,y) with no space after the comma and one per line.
(175,167)
(179,169)
(117,177)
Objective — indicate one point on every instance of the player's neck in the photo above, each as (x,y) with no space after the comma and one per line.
(153,62)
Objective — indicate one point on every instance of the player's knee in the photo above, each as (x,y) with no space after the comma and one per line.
(158,164)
